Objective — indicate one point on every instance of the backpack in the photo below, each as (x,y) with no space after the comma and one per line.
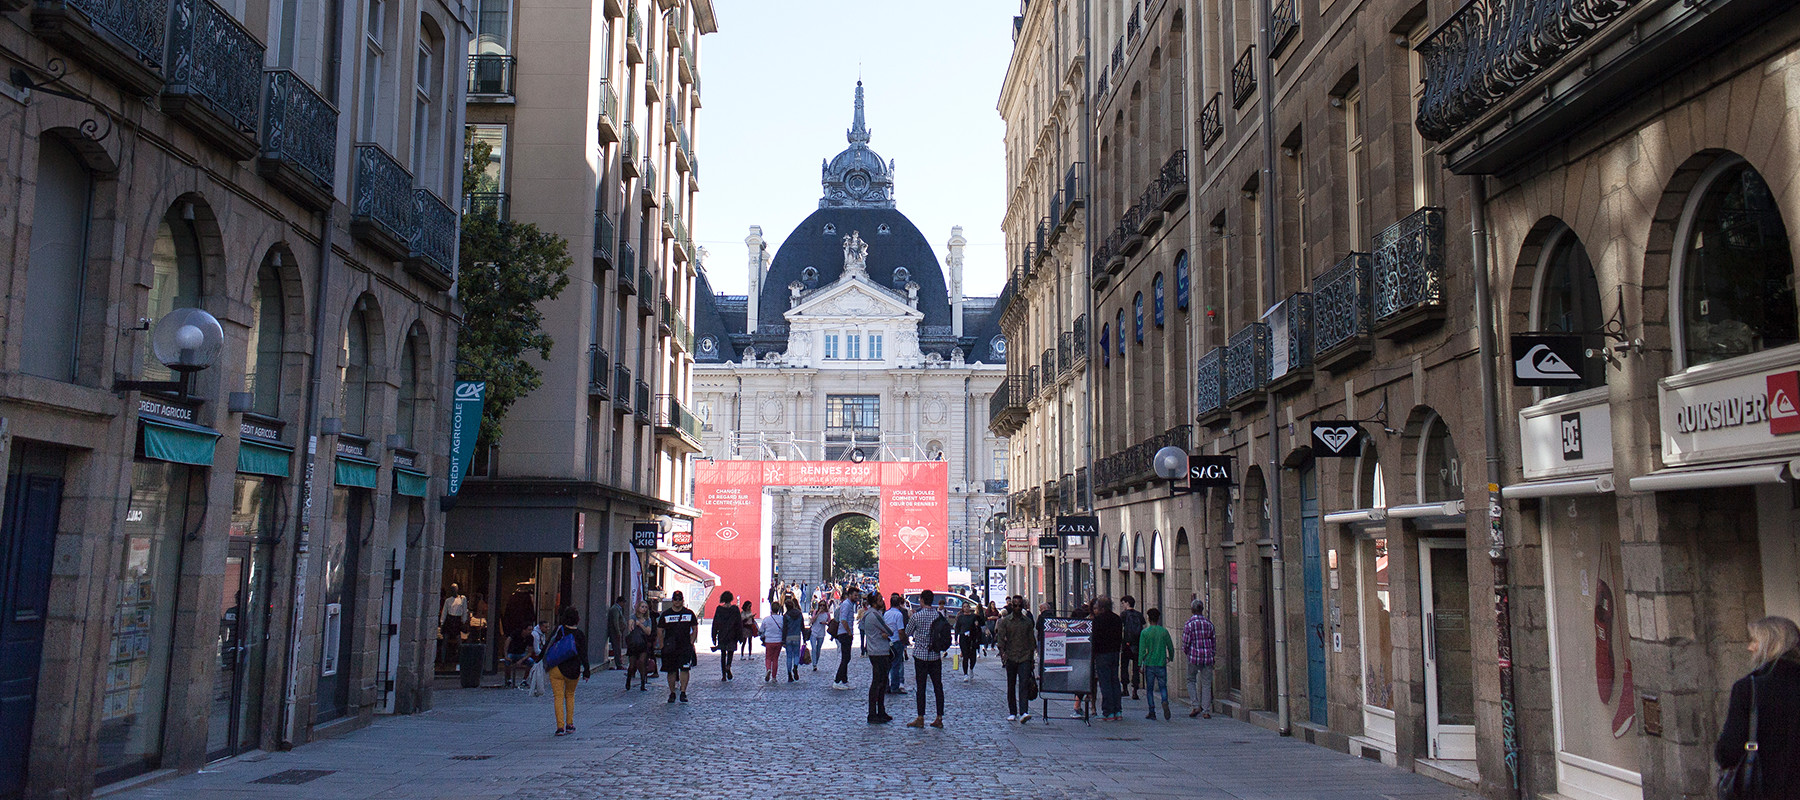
(1133,625)
(561,648)
(940,634)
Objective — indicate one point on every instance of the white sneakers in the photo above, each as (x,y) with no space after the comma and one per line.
(1025,717)
(840,686)
(1012,717)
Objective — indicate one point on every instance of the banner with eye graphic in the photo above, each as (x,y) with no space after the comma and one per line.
(915,526)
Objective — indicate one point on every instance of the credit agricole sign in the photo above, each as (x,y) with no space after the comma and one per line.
(1747,407)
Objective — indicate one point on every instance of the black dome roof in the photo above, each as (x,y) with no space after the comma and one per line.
(818,243)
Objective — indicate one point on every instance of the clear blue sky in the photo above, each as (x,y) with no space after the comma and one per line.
(778,83)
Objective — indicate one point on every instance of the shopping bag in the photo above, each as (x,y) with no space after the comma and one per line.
(537,679)
(805,654)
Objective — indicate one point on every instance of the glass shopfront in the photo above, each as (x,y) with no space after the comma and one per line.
(235,721)
(1376,607)
(344,534)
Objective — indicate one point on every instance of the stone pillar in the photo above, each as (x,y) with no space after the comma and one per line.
(758,261)
(955,262)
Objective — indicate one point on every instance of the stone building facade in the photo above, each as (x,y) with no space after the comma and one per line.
(195,569)
(545,519)
(854,344)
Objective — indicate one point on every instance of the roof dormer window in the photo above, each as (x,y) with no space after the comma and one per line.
(901,276)
(830,229)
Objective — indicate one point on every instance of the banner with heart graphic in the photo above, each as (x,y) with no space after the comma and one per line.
(915,526)
(1337,439)
(728,536)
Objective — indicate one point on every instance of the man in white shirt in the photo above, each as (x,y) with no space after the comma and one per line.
(453,619)
(896,622)
(844,630)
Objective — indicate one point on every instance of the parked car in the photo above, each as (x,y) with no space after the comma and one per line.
(952,601)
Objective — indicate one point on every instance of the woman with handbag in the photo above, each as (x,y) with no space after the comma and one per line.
(637,646)
(1759,749)
(793,636)
(566,661)
(821,621)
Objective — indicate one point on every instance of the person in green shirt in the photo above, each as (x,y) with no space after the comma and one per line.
(1154,646)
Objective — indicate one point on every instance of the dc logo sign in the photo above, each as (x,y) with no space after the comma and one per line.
(471,390)
(1336,439)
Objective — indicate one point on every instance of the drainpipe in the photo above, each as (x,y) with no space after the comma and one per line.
(1490,403)
(315,379)
(1087,238)
(1265,80)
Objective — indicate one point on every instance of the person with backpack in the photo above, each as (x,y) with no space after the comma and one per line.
(845,621)
(566,661)
(727,626)
(637,645)
(930,632)
(793,636)
(1016,637)
(969,625)
(676,632)
(1154,646)
(1128,650)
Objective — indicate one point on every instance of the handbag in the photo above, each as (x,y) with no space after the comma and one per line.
(1028,687)
(805,654)
(1743,781)
(537,679)
(561,649)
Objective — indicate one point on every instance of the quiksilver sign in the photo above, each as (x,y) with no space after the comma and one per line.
(1725,412)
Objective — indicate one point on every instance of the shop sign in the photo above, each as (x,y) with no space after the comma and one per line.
(260,430)
(353,447)
(1077,526)
(1018,545)
(465,426)
(1569,435)
(167,409)
(1049,542)
(996,584)
(1548,359)
(1209,471)
(644,535)
(406,459)
(1747,407)
(1337,439)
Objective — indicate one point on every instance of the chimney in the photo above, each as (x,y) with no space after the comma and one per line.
(955,261)
(758,259)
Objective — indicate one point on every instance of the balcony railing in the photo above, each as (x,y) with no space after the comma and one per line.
(1065,352)
(653,74)
(124,38)
(215,76)
(642,404)
(1171,185)
(1247,363)
(599,368)
(608,122)
(1074,189)
(681,333)
(491,75)
(488,204)
(627,267)
(605,241)
(299,140)
(1102,82)
(673,416)
(628,152)
(1408,270)
(621,388)
(1287,23)
(433,241)
(1052,499)
(1210,383)
(648,183)
(1047,365)
(646,290)
(1243,77)
(1056,216)
(1118,55)
(1341,308)
(1136,464)
(634,35)
(382,204)
(1290,337)
(1080,343)
(1212,126)
(1135,24)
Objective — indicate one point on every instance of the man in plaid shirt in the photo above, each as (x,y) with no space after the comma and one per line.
(1197,643)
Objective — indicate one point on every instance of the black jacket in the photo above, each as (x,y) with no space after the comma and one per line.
(1109,632)
(576,667)
(1777,727)
(728,625)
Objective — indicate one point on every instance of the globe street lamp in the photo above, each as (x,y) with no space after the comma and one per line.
(186,341)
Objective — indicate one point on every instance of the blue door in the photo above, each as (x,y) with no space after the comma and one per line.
(1315,593)
(27,540)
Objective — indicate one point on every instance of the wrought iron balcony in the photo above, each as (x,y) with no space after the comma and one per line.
(1065,352)
(1408,273)
(125,39)
(599,368)
(621,389)
(628,152)
(1081,337)
(607,126)
(1243,77)
(1131,236)
(605,241)
(1102,82)
(641,406)
(491,76)
(1172,181)
(432,246)
(1007,293)
(1247,364)
(1043,239)
(1074,190)
(634,35)
(299,139)
(1057,226)
(381,210)
(1135,24)
(215,76)
(673,419)
(1287,23)
(1290,339)
(627,267)
(1212,126)
(1118,55)
(1341,316)
(1210,383)
(488,204)
(1047,363)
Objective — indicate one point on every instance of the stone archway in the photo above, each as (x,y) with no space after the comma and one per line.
(826,518)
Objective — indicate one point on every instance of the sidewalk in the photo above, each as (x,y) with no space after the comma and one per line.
(747,739)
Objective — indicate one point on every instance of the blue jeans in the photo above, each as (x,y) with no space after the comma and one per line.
(897,668)
(1106,666)
(1156,679)
(793,656)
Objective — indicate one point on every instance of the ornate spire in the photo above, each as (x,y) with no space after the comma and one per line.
(859,131)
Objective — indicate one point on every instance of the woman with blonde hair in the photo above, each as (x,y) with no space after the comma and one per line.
(1764,713)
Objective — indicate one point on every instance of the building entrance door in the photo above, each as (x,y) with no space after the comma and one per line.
(27,542)
(236,718)
(1315,594)
(1449,668)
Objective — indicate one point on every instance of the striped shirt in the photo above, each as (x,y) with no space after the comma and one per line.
(1197,641)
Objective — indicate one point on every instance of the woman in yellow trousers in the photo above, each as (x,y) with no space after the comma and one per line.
(564,668)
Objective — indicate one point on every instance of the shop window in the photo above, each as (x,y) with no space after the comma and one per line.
(1737,273)
(1182,279)
(1568,300)
(1371,488)
(1440,469)
(58,263)
(1590,642)
(267,317)
(1377,605)
(1156,299)
(355,374)
(175,278)
(406,409)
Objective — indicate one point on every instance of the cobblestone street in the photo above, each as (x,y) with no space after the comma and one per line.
(747,739)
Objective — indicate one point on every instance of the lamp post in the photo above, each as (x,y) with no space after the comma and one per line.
(186,340)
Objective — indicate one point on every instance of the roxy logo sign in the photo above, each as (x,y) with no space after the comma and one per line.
(1337,439)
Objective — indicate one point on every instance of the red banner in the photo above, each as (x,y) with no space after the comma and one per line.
(915,526)
(728,537)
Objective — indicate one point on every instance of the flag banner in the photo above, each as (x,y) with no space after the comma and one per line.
(915,526)
(465,428)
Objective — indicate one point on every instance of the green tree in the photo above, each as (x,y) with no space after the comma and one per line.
(853,543)
(506,269)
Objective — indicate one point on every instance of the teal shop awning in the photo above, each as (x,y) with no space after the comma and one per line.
(256,458)
(355,472)
(166,440)
(411,483)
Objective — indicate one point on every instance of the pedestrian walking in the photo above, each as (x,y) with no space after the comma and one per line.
(565,662)
(1154,647)
(727,626)
(821,623)
(1016,639)
(844,621)
(1109,632)
(615,631)
(748,640)
(969,629)
(639,634)
(992,624)
(1198,645)
(895,617)
(793,636)
(1762,719)
(875,629)
(1128,649)
(771,639)
(676,631)
(929,631)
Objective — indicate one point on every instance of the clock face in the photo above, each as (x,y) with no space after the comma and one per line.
(998,345)
(858,183)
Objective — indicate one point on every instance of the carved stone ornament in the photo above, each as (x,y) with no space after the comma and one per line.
(770,410)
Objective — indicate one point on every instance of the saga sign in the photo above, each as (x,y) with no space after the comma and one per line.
(1209,471)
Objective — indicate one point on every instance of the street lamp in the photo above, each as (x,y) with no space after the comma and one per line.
(186,341)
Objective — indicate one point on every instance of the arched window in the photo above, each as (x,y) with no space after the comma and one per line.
(1440,470)
(1105,552)
(356,371)
(262,376)
(58,267)
(175,280)
(1156,299)
(1181,280)
(1137,551)
(406,410)
(1568,299)
(1120,318)
(1124,552)
(1156,551)
(1106,345)
(1737,274)
(1371,488)
(1137,317)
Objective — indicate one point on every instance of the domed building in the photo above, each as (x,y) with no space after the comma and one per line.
(854,343)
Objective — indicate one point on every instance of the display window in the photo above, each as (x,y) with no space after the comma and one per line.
(1591,646)
(1377,631)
